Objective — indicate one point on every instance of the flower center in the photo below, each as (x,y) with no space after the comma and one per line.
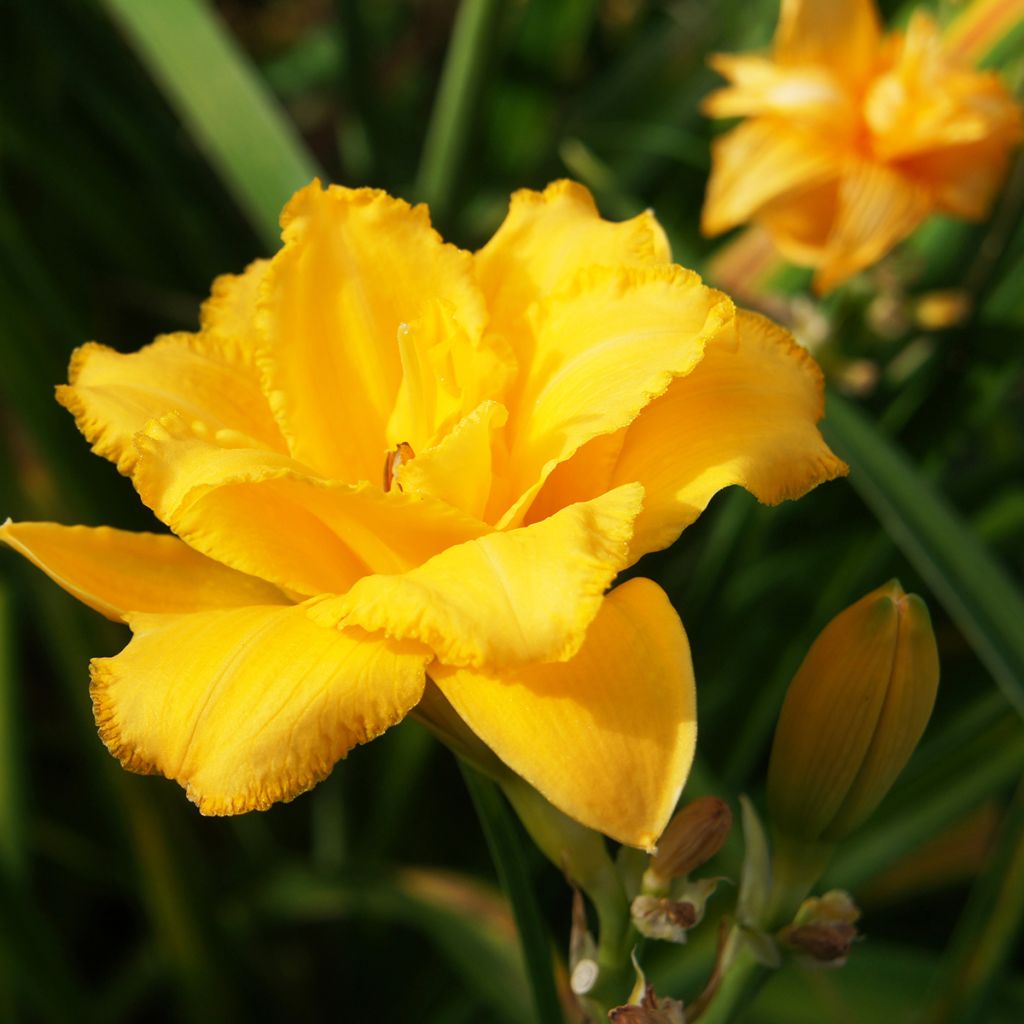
(401,453)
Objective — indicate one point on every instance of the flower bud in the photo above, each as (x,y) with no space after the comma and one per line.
(855,710)
(694,835)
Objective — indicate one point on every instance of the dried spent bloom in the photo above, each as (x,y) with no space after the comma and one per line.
(852,139)
(824,929)
(853,715)
(382,456)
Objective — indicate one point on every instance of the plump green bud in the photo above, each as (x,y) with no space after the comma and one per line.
(853,715)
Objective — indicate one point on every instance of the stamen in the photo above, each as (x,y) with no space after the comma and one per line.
(402,453)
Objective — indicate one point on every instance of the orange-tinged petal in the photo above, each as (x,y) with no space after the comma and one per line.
(608,737)
(117,572)
(760,86)
(248,706)
(761,161)
(113,396)
(503,599)
(266,515)
(604,348)
(800,225)
(841,34)
(228,317)
(962,180)
(877,207)
(546,239)
(746,415)
(356,266)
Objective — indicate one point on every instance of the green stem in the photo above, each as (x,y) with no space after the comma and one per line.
(457,97)
(796,866)
(505,845)
(742,980)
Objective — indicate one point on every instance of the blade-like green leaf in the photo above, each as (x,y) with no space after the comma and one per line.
(506,847)
(458,95)
(224,104)
(973,588)
(12,803)
(456,914)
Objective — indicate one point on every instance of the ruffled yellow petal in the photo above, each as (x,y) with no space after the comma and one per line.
(877,207)
(608,737)
(746,415)
(603,349)
(116,572)
(228,316)
(506,598)
(459,470)
(357,268)
(264,514)
(113,396)
(841,34)
(248,706)
(546,239)
(761,161)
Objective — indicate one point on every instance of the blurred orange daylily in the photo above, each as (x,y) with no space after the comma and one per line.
(852,139)
(548,409)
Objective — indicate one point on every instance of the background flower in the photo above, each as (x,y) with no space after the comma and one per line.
(852,139)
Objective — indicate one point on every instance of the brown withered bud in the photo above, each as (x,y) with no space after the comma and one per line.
(694,835)
(827,943)
(650,1010)
(823,928)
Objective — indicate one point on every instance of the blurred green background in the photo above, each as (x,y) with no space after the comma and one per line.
(145,147)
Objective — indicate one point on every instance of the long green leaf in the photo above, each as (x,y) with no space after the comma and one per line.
(13,858)
(225,105)
(971,585)
(506,848)
(987,931)
(453,914)
(458,95)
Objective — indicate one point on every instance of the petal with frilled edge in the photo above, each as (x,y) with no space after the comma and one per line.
(265,515)
(357,267)
(248,706)
(228,316)
(116,572)
(504,599)
(608,737)
(605,347)
(877,207)
(761,161)
(113,396)
(843,35)
(546,238)
(746,416)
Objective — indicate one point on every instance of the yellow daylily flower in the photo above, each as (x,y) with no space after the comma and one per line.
(382,457)
(852,139)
